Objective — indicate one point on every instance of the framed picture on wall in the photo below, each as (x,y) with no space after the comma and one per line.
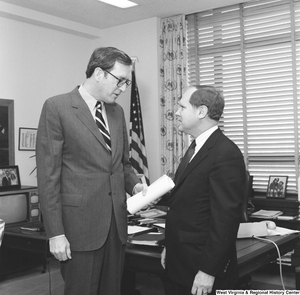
(277,186)
(9,177)
(27,139)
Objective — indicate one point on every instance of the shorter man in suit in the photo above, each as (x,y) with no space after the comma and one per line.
(204,214)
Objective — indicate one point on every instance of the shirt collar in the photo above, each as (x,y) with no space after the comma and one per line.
(201,139)
(90,100)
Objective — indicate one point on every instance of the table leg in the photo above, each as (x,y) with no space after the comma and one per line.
(295,260)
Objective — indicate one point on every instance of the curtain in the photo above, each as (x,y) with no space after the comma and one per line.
(173,80)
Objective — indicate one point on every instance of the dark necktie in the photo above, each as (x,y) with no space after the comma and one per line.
(185,160)
(102,126)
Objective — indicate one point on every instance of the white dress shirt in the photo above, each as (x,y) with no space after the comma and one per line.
(91,102)
(202,138)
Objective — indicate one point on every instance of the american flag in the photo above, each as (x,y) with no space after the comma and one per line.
(138,157)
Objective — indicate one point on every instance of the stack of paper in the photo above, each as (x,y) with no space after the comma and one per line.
(266,214)
(152,213)
(135,229)
(148,239)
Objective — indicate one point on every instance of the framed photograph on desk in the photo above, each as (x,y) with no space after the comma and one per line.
(277,187)
(9,178)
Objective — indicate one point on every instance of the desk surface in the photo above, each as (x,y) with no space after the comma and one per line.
(15,230)
(251,253)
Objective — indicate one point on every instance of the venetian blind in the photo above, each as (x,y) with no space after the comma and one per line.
(252,52)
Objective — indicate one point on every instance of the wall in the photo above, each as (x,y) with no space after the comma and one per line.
(38,62)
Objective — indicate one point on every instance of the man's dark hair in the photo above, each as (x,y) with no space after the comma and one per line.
(211,97)
(105,58)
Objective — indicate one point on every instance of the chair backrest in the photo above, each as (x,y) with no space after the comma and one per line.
(2,225)
(248,192)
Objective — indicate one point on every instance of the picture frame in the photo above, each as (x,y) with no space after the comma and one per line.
(27,139)
(277,186)
(9,177)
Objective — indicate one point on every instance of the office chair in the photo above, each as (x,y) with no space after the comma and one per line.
(248,193)
(245,281)
(2,225)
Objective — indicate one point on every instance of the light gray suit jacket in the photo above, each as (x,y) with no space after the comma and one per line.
(80,183)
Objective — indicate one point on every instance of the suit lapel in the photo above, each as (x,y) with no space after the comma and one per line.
(200,156)
(84,115)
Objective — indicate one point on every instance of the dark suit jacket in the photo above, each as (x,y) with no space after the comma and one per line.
(204,215)
(80,183)
(6,181)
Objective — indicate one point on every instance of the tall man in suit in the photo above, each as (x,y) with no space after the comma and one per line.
(83,178)
(204,215)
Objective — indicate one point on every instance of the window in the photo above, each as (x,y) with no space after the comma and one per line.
(252,52)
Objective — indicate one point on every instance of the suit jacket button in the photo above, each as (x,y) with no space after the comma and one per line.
(109,193)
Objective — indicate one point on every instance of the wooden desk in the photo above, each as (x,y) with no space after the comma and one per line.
(289,206)
(21,250)
(252,253)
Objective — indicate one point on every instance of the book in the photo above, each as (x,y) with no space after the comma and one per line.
(266,213)
(286,217)
(148,239)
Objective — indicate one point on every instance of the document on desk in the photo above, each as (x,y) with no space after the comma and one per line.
(157,189)
(135,229)
(281,231)
(260,229)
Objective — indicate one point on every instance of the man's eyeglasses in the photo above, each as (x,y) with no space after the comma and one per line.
(121,82)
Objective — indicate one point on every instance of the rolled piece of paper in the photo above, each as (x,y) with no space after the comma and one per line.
(157,189)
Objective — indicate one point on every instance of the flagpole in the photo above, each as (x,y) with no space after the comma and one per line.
(134,60)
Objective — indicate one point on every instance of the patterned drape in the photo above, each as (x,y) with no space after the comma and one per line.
(173,80)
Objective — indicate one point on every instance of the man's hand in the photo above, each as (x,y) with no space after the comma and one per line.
(140,187)
(163,258)
(60,248)
(203,283)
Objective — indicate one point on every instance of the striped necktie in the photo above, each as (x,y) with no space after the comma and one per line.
(102,126)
